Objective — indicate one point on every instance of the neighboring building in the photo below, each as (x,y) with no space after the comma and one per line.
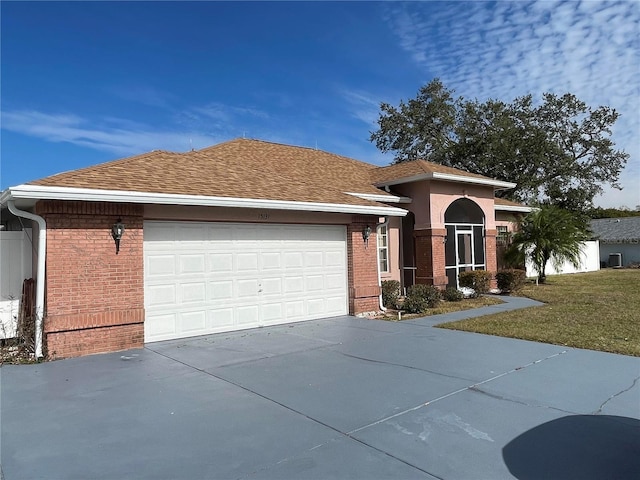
(244,234)
(619,240)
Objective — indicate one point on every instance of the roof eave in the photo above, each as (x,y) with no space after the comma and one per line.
(38,192)
(496,184)
(384,198)
(513,208)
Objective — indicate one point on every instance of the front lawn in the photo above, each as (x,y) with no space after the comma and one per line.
(597,310)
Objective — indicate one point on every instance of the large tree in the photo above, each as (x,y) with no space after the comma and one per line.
(548,235)
(558,152)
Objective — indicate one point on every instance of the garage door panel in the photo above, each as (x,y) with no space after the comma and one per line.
(247,262)
(334,281)
(193,322)
(159,235)
(271,261)
(220,319)
(272,312)
(193,292)
(220,263)
(221,290)
(313,259)
(293,260)
(271,286)
(334,305)
(191,263)
(161,294)
(195,235)
(314,283)
(220,277)
(315,307)
(220,234)
(334,259)
(160,326)
(247,315)
(247,288)
(294,284)
(294,309)
(160,265)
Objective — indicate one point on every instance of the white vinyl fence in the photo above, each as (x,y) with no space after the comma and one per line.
(589,262)
(15,267)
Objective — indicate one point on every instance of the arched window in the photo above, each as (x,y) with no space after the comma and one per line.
(464,247)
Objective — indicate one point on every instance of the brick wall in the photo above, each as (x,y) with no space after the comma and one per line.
(364,290)
(430,260)
(94,298)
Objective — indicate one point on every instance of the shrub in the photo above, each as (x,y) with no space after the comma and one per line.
(390,293)
(421,297)
(479,280)
(452,295)
(511,280)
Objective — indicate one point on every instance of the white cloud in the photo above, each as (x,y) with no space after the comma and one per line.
(363,105)
(222,112)
(506,49)
(118,136)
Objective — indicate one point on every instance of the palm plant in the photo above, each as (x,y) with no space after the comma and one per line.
(548,234)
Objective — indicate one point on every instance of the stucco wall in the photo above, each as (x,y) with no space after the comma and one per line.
(444,194)
(395,260)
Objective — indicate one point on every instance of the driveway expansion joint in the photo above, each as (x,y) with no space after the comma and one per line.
(519,402)
(450,394)
(372,360)
(344,434)
(599,410)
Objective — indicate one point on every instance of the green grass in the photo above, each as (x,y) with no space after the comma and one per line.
(597,311)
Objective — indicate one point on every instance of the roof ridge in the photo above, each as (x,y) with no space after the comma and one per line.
(288,146)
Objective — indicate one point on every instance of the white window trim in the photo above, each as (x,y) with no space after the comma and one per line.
(380,248)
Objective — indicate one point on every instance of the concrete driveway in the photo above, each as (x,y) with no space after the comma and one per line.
(335,398)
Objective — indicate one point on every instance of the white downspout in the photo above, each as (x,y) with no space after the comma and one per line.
(42,249)
(380,303)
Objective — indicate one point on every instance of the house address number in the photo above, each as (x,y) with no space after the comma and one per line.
(263,216)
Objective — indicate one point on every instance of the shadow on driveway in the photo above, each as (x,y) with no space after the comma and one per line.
(577,447)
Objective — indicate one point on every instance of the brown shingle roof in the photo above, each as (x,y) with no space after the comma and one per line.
(239,168)
(416,168)
(508,203)
(251,169)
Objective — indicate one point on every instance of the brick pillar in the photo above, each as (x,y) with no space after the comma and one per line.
(491,259)
(94,298)
(430,261)
(363,267)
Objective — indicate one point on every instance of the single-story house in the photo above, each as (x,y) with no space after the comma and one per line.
(619,240)
(243,234)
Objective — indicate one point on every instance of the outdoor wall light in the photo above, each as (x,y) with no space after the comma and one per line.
(116,232)
(366,233)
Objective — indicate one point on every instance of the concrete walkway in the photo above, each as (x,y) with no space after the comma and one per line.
(335,398)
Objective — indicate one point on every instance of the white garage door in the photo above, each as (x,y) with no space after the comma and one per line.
(204,278)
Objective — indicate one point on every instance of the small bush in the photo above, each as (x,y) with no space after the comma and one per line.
(452,295)
(421,297)
(511,280)
(390,293)
(479,280)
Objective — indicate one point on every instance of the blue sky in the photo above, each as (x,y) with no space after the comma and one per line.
(87,82)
